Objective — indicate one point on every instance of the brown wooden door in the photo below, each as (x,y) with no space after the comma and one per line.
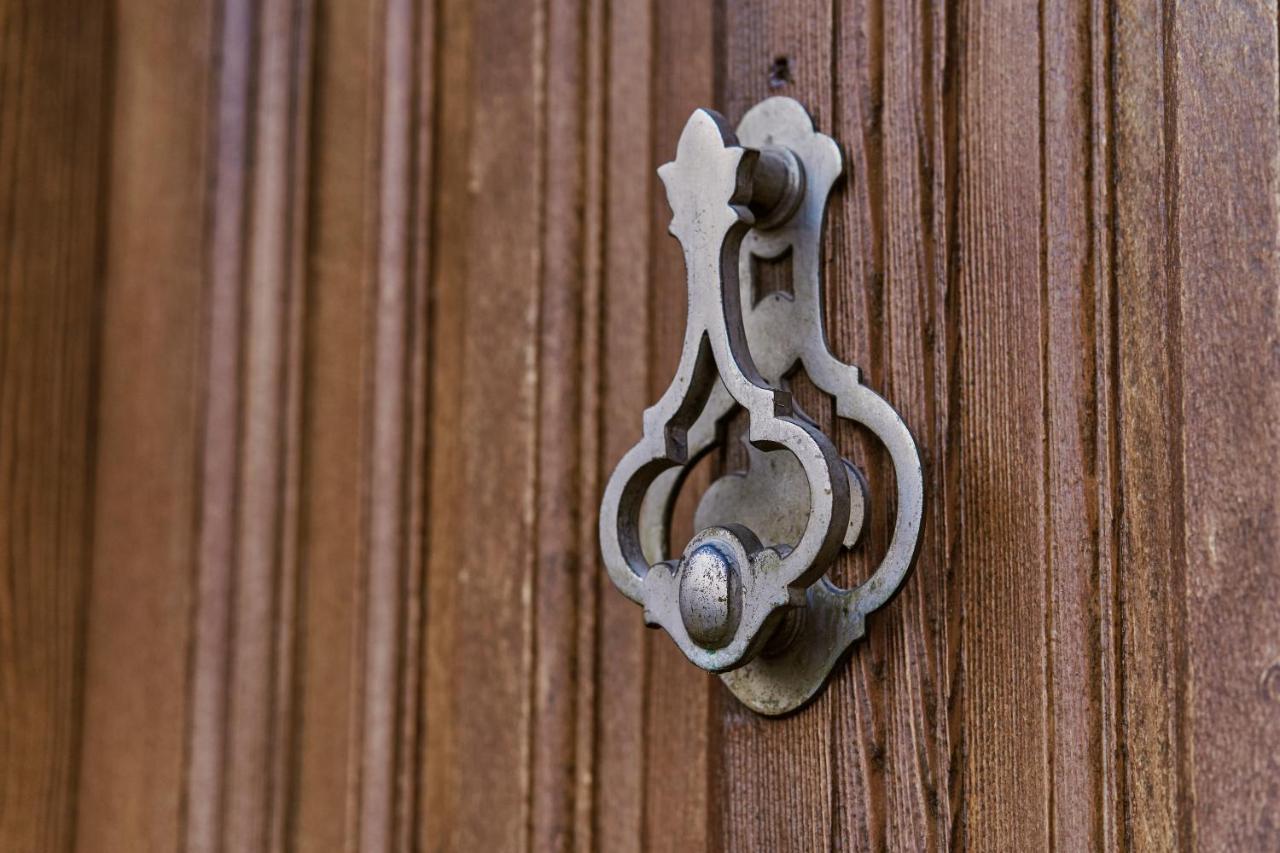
(323,323)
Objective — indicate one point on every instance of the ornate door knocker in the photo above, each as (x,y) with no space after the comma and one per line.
(748,597)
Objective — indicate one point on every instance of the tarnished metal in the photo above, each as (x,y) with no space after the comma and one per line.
(747,598)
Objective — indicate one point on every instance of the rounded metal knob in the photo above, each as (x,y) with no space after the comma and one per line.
(710,595)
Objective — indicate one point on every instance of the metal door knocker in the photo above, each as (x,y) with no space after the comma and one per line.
(748,597)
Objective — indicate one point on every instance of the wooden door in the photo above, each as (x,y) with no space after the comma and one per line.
(324,322)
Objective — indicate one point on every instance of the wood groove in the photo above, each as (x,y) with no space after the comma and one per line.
(248,582)
(285,674)
(583,807)
(587,797)
(389,726)
(1079,662)
(532,595)
(93,308)
(219,455)
(424,141)
(1177,580)
(1104,78)
(595,63)
(1046,518)
(1100,330)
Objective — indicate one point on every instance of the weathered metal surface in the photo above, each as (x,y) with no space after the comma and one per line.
(769,534)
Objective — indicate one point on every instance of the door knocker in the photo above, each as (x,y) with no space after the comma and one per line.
(748,597)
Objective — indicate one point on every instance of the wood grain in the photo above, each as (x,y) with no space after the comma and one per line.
(890,300)
(1001,548)
(325,323)
(54,92)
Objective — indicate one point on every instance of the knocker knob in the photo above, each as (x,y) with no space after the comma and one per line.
(710,596)
(710,592)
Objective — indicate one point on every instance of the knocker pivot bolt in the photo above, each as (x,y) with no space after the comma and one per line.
(748,597)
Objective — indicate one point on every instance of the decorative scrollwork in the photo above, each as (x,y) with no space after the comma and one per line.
(766,537)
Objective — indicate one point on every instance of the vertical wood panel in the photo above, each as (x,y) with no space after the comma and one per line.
(524,408)
(1227,151)
(340,243)
(1078,375)
(1001,555)
(567,569)
(560,432)
(54,64)
(621,647)
(494,289)
(889,299)
(873,768)
(568,426)
(254,249)
(1196,271)
(1149,436)
(450,265)
(920,635)
(132,771)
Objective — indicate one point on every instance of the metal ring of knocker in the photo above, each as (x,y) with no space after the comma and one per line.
(747,598)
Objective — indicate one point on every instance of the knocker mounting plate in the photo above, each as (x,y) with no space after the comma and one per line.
(748,597)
